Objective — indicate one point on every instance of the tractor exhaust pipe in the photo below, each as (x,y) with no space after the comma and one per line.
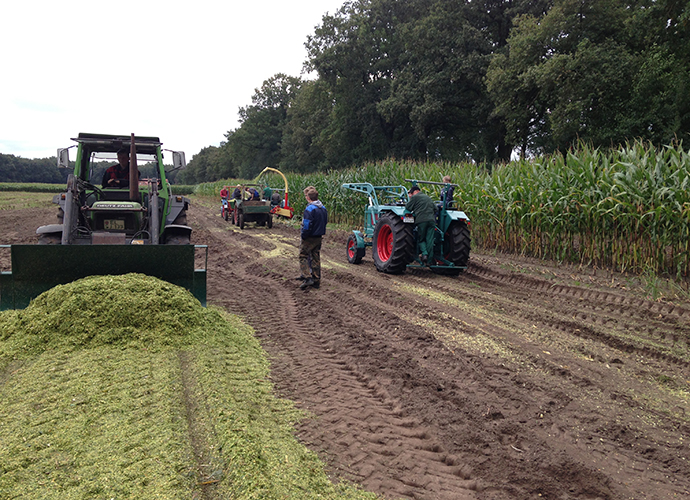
(133,172)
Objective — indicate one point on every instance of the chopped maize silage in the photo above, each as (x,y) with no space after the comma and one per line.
(129,310)
(107,385)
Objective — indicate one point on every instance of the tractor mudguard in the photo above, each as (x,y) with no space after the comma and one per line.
(49,229)
(38,268)
(359,238)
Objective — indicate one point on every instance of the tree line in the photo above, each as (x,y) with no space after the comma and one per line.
(460,80)
(18,169)
(44,170)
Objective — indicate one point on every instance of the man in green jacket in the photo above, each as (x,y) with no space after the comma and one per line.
(422,206)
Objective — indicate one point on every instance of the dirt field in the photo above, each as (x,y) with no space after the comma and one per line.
(515,380)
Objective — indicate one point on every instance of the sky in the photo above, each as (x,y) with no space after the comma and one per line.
(179,71)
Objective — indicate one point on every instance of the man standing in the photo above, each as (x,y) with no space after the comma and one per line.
(314,222)
(422,206)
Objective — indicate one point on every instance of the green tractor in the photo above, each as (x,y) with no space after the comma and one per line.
(108,226)
(389,231)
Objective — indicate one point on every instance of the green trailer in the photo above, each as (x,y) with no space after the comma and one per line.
(252,210)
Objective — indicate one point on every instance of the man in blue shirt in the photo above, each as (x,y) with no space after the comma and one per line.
(314,222)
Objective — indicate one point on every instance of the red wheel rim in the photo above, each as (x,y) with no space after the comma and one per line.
(351,249)
(384,243)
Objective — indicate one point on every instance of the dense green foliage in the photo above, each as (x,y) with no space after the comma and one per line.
(18,169)
(459,80)
(125,387)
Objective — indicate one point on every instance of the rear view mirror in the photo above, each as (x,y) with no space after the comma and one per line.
(179,160)
(63,158)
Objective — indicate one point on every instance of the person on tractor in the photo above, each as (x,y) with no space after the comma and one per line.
(251,194)
(237,193)
(276,199)
(224,193)
(447,193)
(422,206)
(118,175)
(266,193)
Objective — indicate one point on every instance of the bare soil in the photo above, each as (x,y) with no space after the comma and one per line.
(519,379)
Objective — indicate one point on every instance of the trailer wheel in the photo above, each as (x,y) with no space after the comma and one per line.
(240,220)
(269,222)
(354,254)
(393,244)
(456,248)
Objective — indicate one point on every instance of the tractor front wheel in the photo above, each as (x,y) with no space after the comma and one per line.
(393,244)
(354,254)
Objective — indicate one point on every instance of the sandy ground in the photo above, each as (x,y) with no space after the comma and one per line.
(519,379)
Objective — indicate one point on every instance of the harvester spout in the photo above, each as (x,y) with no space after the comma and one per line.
(133,172)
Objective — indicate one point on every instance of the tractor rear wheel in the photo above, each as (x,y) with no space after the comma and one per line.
(456,248)
(393,244)
(354,254)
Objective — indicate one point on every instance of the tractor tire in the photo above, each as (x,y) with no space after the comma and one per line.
(178,239)
(269,222)
(456,248)
(354,254)
(393,244)
(50,239)
(225,214)
(240,220)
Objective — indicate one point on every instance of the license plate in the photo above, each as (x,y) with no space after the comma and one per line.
(114,224)
(408,219)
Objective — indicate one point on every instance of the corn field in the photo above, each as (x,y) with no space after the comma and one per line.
(626,209)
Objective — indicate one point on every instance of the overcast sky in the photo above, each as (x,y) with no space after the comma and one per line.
(175,70)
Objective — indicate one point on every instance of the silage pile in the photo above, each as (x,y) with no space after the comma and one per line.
(132,310)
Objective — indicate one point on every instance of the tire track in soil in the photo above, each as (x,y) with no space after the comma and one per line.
(511,434)
(633,460)
(358,427)
(566,315)
(319,435)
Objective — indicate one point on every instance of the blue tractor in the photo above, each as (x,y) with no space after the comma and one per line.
(389,231)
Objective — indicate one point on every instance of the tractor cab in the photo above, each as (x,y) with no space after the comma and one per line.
(118,193)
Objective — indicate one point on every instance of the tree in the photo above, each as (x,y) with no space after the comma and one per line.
(256,144)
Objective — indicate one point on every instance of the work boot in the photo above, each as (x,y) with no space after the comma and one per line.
(300,278)
(316,284)
(307,283)
(424,259)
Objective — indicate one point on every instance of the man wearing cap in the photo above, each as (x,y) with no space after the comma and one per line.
(422,206)
(118,175)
